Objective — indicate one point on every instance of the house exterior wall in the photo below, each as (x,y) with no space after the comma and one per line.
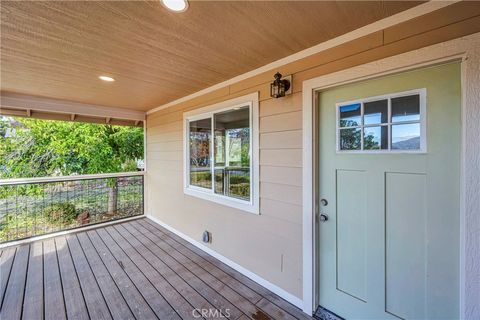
(270,244)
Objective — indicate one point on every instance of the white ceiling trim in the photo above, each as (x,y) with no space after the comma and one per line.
(28,102)
(358,33)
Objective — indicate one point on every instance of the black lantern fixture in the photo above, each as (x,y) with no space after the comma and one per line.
(279,87)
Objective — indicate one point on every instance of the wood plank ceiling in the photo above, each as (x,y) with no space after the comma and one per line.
(58,49)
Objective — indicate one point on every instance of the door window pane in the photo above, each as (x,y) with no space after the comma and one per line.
(406,136)
(406,108)
(232,153)
(350,115)
(350,139)
(375,138)
(375,112)
(199,139)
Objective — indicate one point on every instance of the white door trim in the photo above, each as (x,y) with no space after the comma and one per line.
(465,49)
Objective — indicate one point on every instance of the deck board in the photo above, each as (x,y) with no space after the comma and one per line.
(33,304)
(6,261)
(13,301)
(54,304)
(130,270)
(72,293)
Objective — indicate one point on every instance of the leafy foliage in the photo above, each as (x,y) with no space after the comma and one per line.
(45,148)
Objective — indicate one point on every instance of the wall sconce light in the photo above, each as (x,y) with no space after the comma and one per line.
(280,87)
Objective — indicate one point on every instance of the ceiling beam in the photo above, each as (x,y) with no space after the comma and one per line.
(13,112)
(30,103)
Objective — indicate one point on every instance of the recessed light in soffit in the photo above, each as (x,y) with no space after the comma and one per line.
(175,5)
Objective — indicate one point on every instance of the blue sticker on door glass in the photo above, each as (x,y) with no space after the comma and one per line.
(350,115)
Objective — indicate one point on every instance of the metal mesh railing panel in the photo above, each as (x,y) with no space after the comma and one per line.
(38,208)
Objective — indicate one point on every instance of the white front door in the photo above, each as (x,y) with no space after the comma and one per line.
(389,183)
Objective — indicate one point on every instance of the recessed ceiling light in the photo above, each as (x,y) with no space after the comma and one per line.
(175,5)
(106,78)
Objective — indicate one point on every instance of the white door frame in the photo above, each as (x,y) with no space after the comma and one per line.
(466,50)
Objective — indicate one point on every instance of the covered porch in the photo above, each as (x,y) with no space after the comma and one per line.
(242,127)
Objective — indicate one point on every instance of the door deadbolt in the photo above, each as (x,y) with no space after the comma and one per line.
(323,217)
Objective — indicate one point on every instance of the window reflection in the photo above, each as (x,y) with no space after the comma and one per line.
(200,133)
(406,108)
(350,139)
(232,153)
(375,138)
(375,112)
(406,136)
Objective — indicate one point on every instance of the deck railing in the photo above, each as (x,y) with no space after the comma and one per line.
(38,206)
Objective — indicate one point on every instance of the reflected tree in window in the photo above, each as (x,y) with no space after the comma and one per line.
(199,142)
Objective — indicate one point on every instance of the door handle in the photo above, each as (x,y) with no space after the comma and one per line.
(323,217)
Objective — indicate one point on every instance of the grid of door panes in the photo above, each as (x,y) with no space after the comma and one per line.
(381,124)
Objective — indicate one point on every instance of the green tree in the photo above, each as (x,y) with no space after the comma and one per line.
(45,148)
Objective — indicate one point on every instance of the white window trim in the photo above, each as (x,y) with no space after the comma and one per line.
(423,121)
(252,206)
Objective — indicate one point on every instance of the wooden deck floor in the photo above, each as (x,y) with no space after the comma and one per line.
(130,270)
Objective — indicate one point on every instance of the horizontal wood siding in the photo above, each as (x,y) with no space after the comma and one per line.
(270,244)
